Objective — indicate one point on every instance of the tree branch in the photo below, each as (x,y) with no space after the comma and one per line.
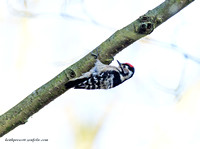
(141,27)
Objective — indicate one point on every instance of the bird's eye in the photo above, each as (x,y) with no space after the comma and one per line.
(124,66)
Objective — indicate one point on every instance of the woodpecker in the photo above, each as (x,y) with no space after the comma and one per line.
(102,76)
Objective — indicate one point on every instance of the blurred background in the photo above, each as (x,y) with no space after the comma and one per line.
(156,109)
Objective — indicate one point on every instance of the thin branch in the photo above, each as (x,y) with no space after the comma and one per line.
(141,27)
(175,48)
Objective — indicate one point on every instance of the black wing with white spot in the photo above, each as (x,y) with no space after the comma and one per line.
(104,80)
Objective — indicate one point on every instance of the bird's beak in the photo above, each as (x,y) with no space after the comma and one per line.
(120,65)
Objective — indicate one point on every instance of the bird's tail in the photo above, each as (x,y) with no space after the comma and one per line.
(74,83)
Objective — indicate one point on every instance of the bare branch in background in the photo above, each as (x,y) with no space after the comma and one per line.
(175,48)
(180,86)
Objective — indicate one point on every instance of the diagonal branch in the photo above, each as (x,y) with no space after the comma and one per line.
(122,38)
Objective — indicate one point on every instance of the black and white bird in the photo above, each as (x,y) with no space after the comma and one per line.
(102,76)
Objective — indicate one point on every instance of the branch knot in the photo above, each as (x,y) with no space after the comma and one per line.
(145,25)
